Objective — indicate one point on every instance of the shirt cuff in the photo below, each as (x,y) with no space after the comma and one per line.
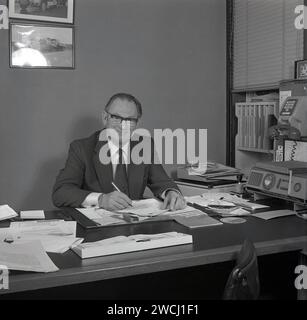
(91,200)
(170,189)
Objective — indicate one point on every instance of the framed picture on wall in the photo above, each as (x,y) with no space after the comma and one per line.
(61,11)
(41,46)
(301,69)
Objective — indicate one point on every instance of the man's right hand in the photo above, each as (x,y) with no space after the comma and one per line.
(114,201)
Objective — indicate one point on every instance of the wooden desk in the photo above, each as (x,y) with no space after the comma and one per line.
(211,245)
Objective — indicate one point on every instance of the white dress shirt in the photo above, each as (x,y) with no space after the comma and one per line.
(92,199)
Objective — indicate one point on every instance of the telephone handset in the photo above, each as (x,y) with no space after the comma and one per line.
(284,131)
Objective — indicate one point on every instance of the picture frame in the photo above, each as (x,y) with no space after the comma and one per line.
(60,11)
(41,46)
(301,69)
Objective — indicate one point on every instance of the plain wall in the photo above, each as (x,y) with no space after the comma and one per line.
(171,54)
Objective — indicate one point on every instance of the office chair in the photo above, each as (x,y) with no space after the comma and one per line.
(243,281)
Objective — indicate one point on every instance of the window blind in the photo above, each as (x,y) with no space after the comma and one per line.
(265,42)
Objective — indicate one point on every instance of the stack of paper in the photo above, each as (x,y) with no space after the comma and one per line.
(211,170)
(6,212)
(26,256)
(123,244)
(56,236)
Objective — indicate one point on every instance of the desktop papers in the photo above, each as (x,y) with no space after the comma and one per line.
(28,256)
(32,214)
(145,208)
(220,199)
(6,212)
(238,201)
(101,216)
(56,236)
(123,244)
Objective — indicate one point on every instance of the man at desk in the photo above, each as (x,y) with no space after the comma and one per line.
(85,181)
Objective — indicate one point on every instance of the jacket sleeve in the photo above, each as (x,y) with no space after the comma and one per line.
(67,191)
(158,181)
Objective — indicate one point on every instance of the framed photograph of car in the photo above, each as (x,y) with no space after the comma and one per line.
(301,69)
(61,11)
(41,46)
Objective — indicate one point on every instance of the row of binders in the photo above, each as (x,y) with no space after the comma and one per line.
(254,121)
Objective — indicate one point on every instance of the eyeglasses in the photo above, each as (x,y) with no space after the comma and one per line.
(119,119)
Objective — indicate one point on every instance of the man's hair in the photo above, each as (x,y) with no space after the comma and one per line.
(127,97)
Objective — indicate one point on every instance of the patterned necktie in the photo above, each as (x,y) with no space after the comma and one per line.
(121,178)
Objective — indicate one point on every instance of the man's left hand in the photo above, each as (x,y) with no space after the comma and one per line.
(174,201)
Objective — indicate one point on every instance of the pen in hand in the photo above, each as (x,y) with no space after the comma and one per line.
(115,186)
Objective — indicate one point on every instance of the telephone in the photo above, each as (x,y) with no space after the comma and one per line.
(292,122)
(284,131)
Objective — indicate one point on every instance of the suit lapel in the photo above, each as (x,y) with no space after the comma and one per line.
(104,171)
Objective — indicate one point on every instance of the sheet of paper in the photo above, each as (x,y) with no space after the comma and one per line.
(239,212)
(101,216)
(32,214)
(28,256)
(44,227)
(145,208)
(6,212)
(40,223)
(274,214)
(50,243)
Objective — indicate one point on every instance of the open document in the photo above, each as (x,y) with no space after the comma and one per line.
(140,210)
(145,208)
(123,244)
(27,256)
(101,216)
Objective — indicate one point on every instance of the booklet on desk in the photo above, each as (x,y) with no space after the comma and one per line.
(138,242)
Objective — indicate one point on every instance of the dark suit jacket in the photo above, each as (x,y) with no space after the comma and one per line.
(84,173)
